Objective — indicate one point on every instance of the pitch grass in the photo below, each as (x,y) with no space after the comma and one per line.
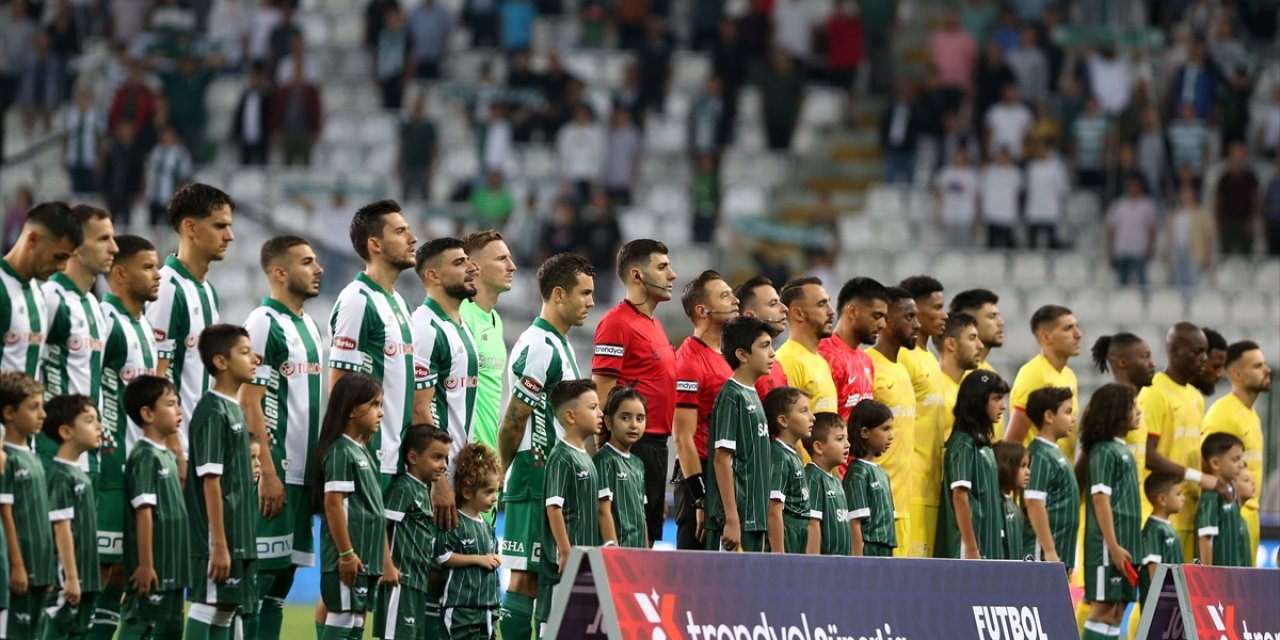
(299,623)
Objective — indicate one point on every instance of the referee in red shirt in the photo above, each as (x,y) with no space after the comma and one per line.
(632,349)
(757,298)
(701,370)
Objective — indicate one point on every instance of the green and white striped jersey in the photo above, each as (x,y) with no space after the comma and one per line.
(738,425)
(786,480)
(153,482)
(448,352)
(411,529)
(185,307)
(349,468)
(23,485)
(973,467)
(827,504)
(1160,545)
(1221,521)
(622,484)
(220,447)
(1114,473)
(469,586)
(71,497)
(287,347)
(573,485)
(22,322)
(372,333)
(540,359)
(129,352)
(1053,481)
(487,329)
(72,361)
(870,498)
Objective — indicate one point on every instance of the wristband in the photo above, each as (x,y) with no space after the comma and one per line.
(696,486)
(1192,475)
(347,552)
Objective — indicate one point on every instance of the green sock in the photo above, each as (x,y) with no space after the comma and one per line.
(334,633)
(106,615)
(249,625)
(198,630)
(132,630)
(1094,630)
(222,633)
(357,631)
(275,587)
(320,630)
(517,617)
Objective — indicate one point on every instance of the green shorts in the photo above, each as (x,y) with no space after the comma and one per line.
(111,515)
(795,535)
(522,535)
(1103,582)
(401,614)
(546,593)
(469,623)
(68,620)
(876,550)
(26,613)
(287,539)
(239,589)
(339,598)
(752,541)
(159,608)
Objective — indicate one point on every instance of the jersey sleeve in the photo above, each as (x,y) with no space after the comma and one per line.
(62,499)
(264,336)
(557,482)
(449,543)
(1102,465)
(1152,546)
(779,475)
(59,316)
(349,327)
(605,465)
(817,496)
(170,321)
(855,492)
(1038,483)
(611,347)
(142,490)
(960,465)
(396,503)
(688,381)
(209,447)
(1155,412)
(533,372)
(339,472)
(1208,515)
(726,424)
(6,478)
(1027,380)
(430,348)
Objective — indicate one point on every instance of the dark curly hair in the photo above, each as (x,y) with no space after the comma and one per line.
(476,463)
(1106,417)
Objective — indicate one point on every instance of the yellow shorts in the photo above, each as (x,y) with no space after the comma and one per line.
(902,528)
(923,529)
(1190,544)
(1255,531)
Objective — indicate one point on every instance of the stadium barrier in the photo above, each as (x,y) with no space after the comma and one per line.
(633,594)
(1196,602)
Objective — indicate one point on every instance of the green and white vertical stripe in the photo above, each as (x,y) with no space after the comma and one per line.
(22,322)
(185,307)
(448,352)
(72,360)
(287,347)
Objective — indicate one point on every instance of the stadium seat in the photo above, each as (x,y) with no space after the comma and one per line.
(1251,308)
(823,107)
(1209,308)
(1089,306)
(1125,305)
(1267,276)
(744,201)
(857,232)
(1072,269)
(666,200)
(894,232)
(379,129)
(1166,306)
(954,264)
(666,135)
(224,93)
(1035,297)
(314,26)
(349,35)
(689,70)
(904,265)
(637,223)
(250,184)
(1028,268)
(1233,274)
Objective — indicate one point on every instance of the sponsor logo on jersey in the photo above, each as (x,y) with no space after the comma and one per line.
(393,349)
(461,382)
(686,386)
(467,542)
(610,350)
(532,386)
(995,623)
(17,337)
(22,473)
(582,475)
(191,341)
(159,334)
(343,343)
(79,489)
(163,472)
(290,368)
(237,427)
(364,464)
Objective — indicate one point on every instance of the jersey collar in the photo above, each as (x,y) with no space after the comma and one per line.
(867,462)
(1121,441)
(1158,519)
(786,446)
(173,262)
(66,282)
(630,305)
(625,454)
(223,396)
(471,518)
(1046,441)
(439,311)
(8,268)
(20,447)
(69,463)
(115,301)
(546,326)
(153,443)
(279,306)
(815,466)
(566,443)
(364,279)
(415,478)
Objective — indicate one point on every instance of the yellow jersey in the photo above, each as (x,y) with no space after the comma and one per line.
(950,390)
(1229,415)
(926,381)
(810,373)
(893,388)
(1037,373)
(1172,413)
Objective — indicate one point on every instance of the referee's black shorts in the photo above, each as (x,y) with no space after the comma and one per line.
(652,451)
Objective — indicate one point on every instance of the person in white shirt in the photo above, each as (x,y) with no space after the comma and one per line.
(1047,189)
(998,189)
(794,22)
(1131,232)
(1268,127)
(581,152)
(1111,77)
(230,25)
(1007,123)
(956,187)
(495,145)
(86,129)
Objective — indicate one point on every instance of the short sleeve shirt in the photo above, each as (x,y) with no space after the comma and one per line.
(487,330)
(185,307)
(72,360)
(24,487)
(1172,413)
(540,360)
(700,372)
(448,352)
(852,372)
(130,351)
(1160,545)
(287,347)
(893,388)
(1053,482)
(1221,520)
(621,477)
(469,586)
(827,504)
(220,447)
(786,483)
(23,317)
(930,433)
(350,469)
(1229,415)
(633,348)
(738,424)
(972,467)
(572,485)
(1037,373)
(870,495)
(809,372)
(71,498)
(1111,472)
(152,481)
(411,529)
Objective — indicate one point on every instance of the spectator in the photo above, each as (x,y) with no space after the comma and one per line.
(280,42)
(266,16)
(956,191)
(978,16)
(1189,242)
(580,150)
(1189,143)
(249,123)
(952,51)
(495,142)
(1131,233)
(602,236)
(900,128)
(1272,212)
(1233,106)
(374,18)
(298,62)
(481,17)
(706,199)
(1267,131)
(1030,67)
(16,215)
(525,93)
(173,24)
(161,119)
(64,39)
(1047,189)
(168,168)
(40,90)
(393,61)
(429,28)
(122,170)
(1193,83)
(1007,30)
(880,21)
(992,77)
(491,201)
(1054,52)
(484,92)
(958,137)
(755,35)
(999,187)
(1150,151)
(516,18)
(556,86)
(1236,202)
(794,22)
(559,234)
(83,145)
(1045,131)
(419,148)
(705,16)
(186,91)
(845,41)
(128,19)
(1007,123)
(230,23)
(17,35)
(771,263)
(704,120)
(592,24)
(781,96)
(1111,78)
(631,20)
(296,117)
(627,96)
(931,106)
(622,157)
(654,60)
(730,65)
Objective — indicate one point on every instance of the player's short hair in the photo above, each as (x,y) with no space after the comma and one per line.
(1236,350)
(58,219)
(823,424)
(793,290)
(1045,399)
(568,392)
(921,286)
(695,293)
(1158,484)
(562,271)
(128,246)
(1103,346)
(898,294)
(16,387)
(1216,445)
(861,289)
(1047,314)
(418,437)
(777,403)
(746,292)
(478,240)
(196,201)
(275,248)
(86,213)
(636,254)
(740,333)
(956,324)
(867,414)
(218,340)
(432,248)
(63,410)
(970,300)
(369,222)
(1216,341)
(145,391)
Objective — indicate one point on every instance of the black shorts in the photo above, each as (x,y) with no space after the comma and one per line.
(686,514)
(652,451)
